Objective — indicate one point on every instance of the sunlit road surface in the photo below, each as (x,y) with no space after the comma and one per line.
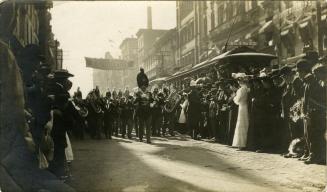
(179,164)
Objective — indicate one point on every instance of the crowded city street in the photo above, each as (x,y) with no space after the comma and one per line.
(181,164)
(163,96)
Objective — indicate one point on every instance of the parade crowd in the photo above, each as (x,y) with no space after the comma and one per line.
(274,111)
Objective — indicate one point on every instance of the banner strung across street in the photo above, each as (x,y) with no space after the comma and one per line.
(108,64)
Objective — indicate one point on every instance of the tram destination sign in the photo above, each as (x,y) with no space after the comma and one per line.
(108,64)
(243,43)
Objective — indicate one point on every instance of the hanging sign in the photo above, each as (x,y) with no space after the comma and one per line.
(108,64)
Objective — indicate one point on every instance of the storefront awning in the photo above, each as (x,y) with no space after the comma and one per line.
(266,27)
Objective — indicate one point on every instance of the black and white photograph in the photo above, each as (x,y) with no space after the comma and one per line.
(163,96)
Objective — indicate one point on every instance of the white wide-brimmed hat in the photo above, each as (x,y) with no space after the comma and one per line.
(241,76)
(193,83)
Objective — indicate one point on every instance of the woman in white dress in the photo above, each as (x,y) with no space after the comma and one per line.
(184,105)
(242,124)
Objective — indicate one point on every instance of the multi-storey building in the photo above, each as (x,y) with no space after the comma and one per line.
(191,30)
(161,59)
(145,41)
(129,53)
(284,28)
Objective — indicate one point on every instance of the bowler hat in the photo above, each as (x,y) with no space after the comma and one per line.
(286,70)
(303,65)
(311,55)
(62,74)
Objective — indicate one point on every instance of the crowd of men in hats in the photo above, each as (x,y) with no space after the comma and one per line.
(276,110)
(48,111)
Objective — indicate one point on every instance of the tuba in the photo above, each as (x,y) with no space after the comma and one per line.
(82,110)
(95,106)
(172,101)
(94,103)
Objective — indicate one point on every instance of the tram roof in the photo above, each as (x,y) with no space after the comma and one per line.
(237,53)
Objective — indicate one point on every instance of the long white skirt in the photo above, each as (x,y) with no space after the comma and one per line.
(242,126)
(69,150)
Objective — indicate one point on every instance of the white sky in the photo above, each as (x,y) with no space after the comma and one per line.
(92,28)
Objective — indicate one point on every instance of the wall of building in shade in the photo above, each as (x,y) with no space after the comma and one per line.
(29,23)
(22,25)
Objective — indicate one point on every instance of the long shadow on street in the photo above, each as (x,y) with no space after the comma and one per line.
(107,166)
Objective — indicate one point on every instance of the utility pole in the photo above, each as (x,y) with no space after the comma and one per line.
(320,35)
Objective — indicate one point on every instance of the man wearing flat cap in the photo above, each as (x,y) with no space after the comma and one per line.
(313,114)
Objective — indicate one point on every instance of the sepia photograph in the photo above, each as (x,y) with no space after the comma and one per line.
(163,96)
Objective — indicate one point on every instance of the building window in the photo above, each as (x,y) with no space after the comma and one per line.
(186,7)
(187,33)
(229,10)
(220,14)
(235,8)
(288,4)
(205,26)
(325,42)
(249,5)
(212,20)
(224,13)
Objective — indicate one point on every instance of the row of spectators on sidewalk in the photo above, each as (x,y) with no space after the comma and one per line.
(280,111)
(48,111)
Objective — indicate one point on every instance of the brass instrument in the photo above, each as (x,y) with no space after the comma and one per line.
(96,107)
(172,101)
(82,110)
(93,100)
(296,111)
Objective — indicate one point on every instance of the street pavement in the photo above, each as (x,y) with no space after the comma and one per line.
(179,164)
